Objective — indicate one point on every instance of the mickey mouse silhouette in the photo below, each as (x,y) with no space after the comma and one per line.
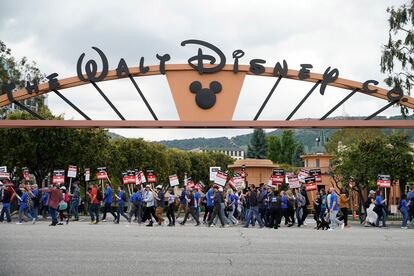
(205,97)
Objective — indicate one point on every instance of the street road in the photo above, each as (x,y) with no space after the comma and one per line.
(108,249)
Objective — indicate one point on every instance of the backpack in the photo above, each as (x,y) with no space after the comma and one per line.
(99,196)
(301,200)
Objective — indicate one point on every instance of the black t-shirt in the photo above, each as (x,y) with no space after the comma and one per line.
(6,196)
(253,199)
(218,198)
(160,201)
(190,200)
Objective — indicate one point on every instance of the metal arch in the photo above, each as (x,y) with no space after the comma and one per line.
(381,93)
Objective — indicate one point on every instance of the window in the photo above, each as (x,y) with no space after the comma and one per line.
(317,163)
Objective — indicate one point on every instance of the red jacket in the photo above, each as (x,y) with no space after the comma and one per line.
(55,196)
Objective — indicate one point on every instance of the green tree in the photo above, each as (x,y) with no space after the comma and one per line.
(274,149)
(397,59)
(257,147)
(348,136)
(17,71)
(296,159)
(288,147)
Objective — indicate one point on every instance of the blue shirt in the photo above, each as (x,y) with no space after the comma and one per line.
(121,195)
(210,201)
(36,192)
(182,198)
(378,200)
(197,197)
(138,196)
(334,198)
(284,202)
(403,205)
(45,198)
(23,203)
(108,196)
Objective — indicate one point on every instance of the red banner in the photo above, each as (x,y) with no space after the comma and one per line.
(151,177)
(311,183)
(102,174)
(278,176)
(58,177)
(317,174)
(384,181)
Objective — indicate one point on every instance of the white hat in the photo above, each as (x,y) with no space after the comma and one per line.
(159,187)
(220,189)
(63,188)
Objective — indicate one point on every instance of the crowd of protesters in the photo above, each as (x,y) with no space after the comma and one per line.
(224,206)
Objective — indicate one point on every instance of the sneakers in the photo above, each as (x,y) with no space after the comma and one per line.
(404,227)
(34,221)
(330,229)
(342,226)
(104,220)
(92,222)
(19,223)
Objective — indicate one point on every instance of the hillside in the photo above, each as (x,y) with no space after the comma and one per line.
(306,136)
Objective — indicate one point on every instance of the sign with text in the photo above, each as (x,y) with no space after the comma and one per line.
(174,180)
(58,177)
(293,181)
(87,174)
(310,183)
(4,173)
(72,171)
(384,181)
(221,178)
(213,172)
(101,173)
(302,175)
(129,177)
(317,174)
(237,182)
(278,176)
(151,177)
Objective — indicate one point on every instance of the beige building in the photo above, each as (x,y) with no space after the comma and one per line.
(258,170)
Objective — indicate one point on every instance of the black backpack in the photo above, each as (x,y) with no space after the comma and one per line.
(99,196)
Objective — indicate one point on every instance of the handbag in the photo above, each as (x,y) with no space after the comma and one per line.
(62,205)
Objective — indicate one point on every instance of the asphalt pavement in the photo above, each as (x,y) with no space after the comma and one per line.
(108,249)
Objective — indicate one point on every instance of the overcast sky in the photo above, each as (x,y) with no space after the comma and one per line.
(347,35)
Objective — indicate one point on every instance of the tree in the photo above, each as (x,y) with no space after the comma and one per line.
(296,159)
(17,71)
(397,59)
(257,147)
(288,147)
(274,149)
(348,136)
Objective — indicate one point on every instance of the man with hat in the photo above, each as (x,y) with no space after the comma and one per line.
(149,206)
(160,201)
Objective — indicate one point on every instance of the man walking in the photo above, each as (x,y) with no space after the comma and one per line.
(254,208)
(183,203)
(136,205)
(121,204)
(74,202)
(149,206)
(209,205)
(95,204)
(55,196)
(191,208)
(108,202)
(218,200)
(334,211)
(160,201)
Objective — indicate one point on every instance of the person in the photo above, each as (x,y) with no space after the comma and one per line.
(6,194)
(404,211)
(275,203)
(197,201)
(55,196)
(334,210)
(209,205)
(254,208)
(23,207)
(300,203)
(183,204)
(371,217)
(344,205)
(36,201)
(261,199)
(222,208)
(160,202)
(62,206)
(75,201)
(284,207)
(317,205)
(149,212)
(305,211)
(232,199)
(44,210)
(218,199)
(410,201)
(380,209)
(190,198)
(94,204)
(108,202)
(170,211)
(121,204)
(136,205)
(291,207)
(323,205)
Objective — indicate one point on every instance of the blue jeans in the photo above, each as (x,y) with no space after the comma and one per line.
(74,208)
(299,215)
(94,212)
(53,214)
(35,211)
(322,214)
(334,220)
(404,214)
(254,213)
(24,211)
(226,221)
(5,209)
(121,212)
